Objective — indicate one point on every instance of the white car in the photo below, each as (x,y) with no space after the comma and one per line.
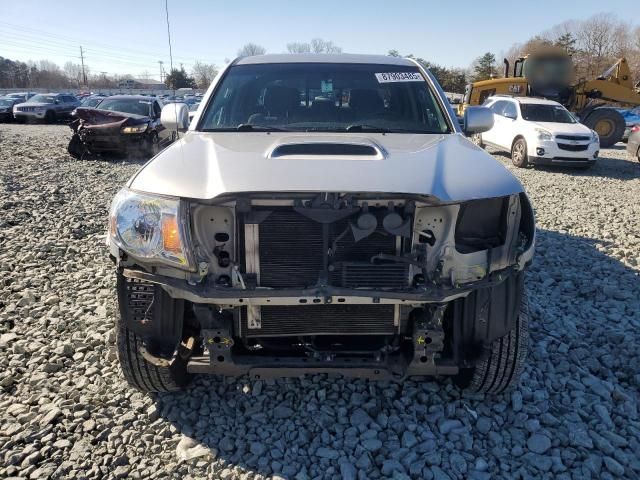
(539,132)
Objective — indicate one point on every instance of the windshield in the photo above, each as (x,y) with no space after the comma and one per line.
(127,105)
(324,97)
(91,102)
(5,102)
(546,113)
(42,99)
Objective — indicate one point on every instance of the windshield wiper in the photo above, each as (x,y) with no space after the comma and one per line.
(366,128)
(248,127)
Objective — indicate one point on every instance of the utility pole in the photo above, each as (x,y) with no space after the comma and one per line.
(84,75)
(161,69)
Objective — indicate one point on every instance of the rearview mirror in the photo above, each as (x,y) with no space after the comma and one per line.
(175,116)
(477,120)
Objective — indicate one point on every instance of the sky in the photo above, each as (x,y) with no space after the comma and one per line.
(131,36)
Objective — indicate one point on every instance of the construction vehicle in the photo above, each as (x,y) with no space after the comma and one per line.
(548,73)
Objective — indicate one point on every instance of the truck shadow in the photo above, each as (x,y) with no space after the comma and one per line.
(581,299)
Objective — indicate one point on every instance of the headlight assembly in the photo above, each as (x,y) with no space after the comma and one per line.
(594,136)
(150,227)
(544,134)
(135,128)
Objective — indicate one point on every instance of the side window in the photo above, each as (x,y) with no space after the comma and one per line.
(510,110)
(67,99)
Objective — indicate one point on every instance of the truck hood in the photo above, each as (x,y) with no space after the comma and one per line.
(204,165)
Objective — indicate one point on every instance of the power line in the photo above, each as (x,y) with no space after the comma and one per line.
(22,30)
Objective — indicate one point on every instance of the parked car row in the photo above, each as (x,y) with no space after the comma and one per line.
(50,107)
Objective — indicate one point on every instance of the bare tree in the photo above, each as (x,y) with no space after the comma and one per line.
(318,45)
(204,73)
(73,71)
(597,39)
(298,47)
(251,49)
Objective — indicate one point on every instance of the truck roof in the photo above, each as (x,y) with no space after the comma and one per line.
(324,58)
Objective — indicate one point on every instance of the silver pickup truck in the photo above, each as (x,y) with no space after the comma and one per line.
(322,214)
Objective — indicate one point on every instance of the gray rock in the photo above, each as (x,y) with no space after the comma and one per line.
(613,466)
(516,401)
(121,471)
(448,425)
(282,411)
(391,466)
(330,453)
(364,462)
(50,416)
(188,449)
(409,439)
(483,424)
(360,417)
(226,444)
(481,465)
(7,338)
(257,448)
(347,470)
(439,474)
(538,443)
(372,444)
(458,463)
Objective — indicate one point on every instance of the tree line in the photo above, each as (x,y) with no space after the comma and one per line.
(594,44)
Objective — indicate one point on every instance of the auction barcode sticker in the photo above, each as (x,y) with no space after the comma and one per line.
(399,77)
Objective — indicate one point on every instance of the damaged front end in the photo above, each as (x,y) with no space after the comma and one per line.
(101,131)
(368,285)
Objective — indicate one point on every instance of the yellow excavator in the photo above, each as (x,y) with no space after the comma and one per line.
(549,74)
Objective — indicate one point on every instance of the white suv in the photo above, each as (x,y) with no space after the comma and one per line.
(540,132)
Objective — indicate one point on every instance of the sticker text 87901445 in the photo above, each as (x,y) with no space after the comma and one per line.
(399,77)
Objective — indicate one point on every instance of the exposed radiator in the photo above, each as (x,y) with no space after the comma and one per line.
(333,319)
(291,254)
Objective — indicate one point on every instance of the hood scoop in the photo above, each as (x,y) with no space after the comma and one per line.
(327,150)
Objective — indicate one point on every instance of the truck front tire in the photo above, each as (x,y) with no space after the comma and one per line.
(501,368)
(138,370)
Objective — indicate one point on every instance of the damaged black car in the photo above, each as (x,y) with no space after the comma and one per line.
(122,125)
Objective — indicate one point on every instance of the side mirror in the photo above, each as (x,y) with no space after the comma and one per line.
(509,116)
(477,120)
(175,116)
(57,102)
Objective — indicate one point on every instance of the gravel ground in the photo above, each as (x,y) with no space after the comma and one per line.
(65,412)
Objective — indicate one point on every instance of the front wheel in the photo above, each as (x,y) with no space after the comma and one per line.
(519,153)
(50,116)
(153,145)
(476,139)
(141,301)
(501,369)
